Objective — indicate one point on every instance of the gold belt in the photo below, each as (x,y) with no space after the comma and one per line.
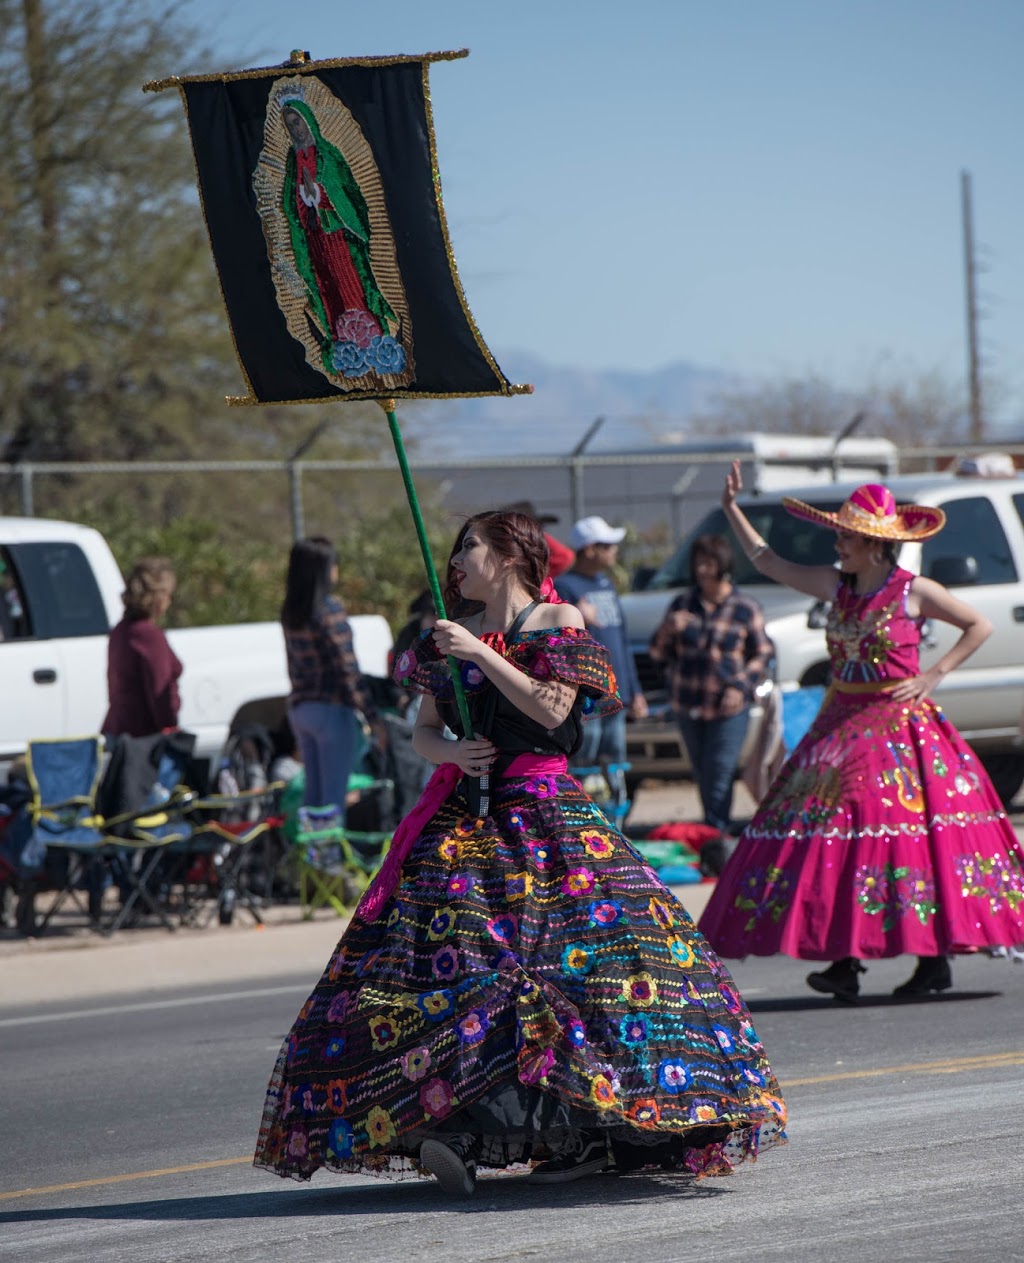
(880,686)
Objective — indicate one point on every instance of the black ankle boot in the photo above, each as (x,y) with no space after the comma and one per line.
(932,974)
(840,979)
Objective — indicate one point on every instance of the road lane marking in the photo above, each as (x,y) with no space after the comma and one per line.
(121,1179)
(958,1065)
(143,1006)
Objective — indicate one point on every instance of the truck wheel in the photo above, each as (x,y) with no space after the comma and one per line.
(1006,772)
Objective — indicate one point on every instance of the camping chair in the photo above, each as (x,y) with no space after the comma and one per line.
(65,778)
(221,870)
(327,864)
(335,864)
(201,868)
(606,785)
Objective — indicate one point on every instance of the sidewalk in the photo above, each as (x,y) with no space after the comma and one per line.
(76,965)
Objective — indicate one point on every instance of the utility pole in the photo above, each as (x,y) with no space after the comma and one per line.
(973,374)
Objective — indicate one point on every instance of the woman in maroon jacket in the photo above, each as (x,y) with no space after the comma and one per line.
(142,669)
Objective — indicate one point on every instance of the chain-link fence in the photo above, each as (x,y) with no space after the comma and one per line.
(658,493)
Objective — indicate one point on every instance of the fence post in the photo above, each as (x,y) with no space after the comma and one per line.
(298,516)
(27,502)
(576,468)
(679,489)
(576,483)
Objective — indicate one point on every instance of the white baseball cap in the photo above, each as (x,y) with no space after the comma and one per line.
(595,530)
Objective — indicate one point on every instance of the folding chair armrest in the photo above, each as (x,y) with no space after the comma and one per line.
(178,801)
(320,835)
(212,802)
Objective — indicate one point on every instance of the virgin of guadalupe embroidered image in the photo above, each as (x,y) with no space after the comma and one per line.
(329,240)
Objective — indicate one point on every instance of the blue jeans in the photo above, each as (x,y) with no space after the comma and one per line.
(714,747)
(327,735)
(603,738)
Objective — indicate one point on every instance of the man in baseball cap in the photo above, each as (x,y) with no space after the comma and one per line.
(588,586)
(595,530)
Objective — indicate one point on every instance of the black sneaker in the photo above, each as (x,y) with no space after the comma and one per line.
(452,1162)
(586,1155)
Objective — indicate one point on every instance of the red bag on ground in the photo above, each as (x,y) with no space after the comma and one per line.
(692,835)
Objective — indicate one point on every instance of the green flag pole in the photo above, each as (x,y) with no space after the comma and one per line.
(421,533)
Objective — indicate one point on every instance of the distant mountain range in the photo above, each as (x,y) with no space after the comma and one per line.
(639,410)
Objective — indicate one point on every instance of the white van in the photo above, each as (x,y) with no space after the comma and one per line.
(979,555)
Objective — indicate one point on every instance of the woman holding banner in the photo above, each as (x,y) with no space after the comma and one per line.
(516,985)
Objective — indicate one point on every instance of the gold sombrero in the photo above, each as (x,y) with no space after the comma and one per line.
(872,510)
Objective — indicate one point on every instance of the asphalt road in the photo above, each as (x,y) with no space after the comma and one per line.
(130,1122)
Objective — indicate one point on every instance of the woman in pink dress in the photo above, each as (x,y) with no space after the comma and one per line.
(882,833)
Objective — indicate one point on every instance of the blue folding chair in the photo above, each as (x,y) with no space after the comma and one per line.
(65,778)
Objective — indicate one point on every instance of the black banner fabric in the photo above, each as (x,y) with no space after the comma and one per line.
(319,193)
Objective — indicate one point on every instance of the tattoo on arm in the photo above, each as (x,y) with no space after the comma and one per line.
(555,697)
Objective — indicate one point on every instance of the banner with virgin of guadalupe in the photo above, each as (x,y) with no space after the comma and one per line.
(322,199)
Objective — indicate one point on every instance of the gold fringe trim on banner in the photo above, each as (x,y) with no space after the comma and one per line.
(250,401)
(306,67)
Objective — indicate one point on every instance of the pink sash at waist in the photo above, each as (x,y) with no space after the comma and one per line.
(439,788)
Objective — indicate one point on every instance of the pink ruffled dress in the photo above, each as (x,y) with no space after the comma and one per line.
(881,834)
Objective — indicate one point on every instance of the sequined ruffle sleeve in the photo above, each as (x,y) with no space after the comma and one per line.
(422,669)
(566,654)
(570,656)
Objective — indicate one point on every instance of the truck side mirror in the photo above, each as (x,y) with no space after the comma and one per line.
(954,572)
(642,577)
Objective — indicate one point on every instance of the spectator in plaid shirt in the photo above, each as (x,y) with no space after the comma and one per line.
(713,644)
(327,687)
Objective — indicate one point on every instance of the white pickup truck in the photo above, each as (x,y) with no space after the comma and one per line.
(979,556)
(60,594)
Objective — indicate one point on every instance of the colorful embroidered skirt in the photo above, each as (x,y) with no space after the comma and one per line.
(531,979)
(881,835)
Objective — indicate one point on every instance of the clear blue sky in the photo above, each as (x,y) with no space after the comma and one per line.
(769,187)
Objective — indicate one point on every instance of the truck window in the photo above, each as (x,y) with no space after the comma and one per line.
(14,624)
(973,530)
(60,592)
(795,540)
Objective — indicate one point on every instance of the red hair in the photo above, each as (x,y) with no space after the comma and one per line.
(513,535)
